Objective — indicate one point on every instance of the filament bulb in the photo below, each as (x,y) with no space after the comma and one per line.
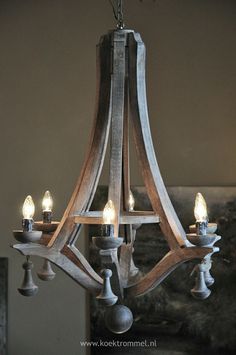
(109,213)
(200,208)
(47,202)
(28,208)
(131,201)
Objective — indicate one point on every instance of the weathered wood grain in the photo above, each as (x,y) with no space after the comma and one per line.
(121,94)
(95,217)
(70,267)
(162,269)
(117,112)
(156,190)
(72,253)
(126,158)
(84,192)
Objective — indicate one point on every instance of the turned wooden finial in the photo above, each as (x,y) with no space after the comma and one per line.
(200,290)
(46,273)
(106,296)
(28,287)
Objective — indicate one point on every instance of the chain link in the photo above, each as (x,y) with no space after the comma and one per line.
(118,13)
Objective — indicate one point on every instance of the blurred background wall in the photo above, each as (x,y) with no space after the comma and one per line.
(47,91)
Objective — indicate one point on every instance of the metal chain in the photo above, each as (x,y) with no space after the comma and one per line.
(118,13)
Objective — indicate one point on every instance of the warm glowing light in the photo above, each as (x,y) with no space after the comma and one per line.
(131,201)
(47,202)
(200,208)
(28,208)
(109,213)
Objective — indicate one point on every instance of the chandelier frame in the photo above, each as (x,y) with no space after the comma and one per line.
(121,96)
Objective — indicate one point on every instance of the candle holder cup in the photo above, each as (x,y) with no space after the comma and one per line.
(106,243)
(207,240)
(27,237)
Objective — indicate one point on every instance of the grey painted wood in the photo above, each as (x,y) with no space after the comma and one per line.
(117,112)
(166,308)
(156,190)
(164,267)
(83,194)
(71,267)
(95,217)
(121,95)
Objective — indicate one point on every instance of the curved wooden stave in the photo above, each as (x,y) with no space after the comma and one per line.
(117,113)
(91,171)
(156,190)
(164,267)
(74,255)
(70,266)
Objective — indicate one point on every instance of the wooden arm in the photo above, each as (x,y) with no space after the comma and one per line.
(162,269)
(69,266)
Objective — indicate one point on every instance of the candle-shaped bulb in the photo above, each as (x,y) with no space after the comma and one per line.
(108,219)
(47,202)
(131,201)
(200,213)
(28,208)
(109,213)
(47,207)
(200,208)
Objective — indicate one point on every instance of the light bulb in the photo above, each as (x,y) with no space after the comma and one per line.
(28,208)
(200,208)
(47,202)
(109,213)
(131,201)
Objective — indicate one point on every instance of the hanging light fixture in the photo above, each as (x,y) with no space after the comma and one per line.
(121,98)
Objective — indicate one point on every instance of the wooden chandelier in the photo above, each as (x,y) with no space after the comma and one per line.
(121,98)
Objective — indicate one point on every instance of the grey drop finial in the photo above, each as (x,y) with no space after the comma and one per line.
(200,290)
(28,287)
(46,273)
(106,296)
